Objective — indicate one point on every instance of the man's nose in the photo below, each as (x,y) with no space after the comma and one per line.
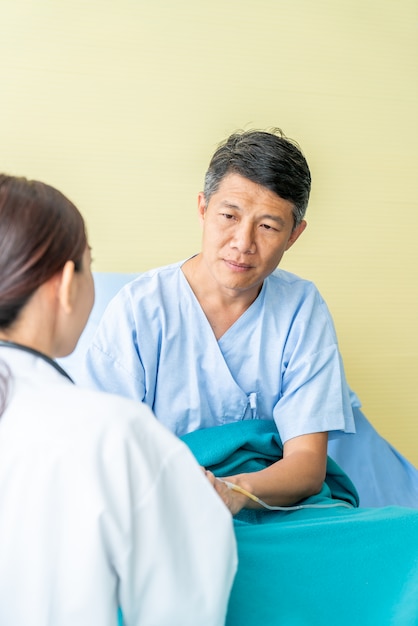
(243,238)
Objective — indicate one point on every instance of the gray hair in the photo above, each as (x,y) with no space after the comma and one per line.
(267,158)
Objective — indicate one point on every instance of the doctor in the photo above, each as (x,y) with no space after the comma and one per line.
(101,506)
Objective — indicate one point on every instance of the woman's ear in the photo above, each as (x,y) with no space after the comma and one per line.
(67,287)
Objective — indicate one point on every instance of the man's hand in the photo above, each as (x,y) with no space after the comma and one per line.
(232,499)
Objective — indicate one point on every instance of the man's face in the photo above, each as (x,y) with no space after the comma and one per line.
(246,230)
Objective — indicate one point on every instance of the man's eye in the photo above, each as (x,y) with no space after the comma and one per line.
(228,216)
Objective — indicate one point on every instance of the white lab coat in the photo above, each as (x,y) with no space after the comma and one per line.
(102,507)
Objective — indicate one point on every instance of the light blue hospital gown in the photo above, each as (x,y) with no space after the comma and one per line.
(279,360)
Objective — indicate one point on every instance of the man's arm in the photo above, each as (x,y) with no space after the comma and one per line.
(298,475)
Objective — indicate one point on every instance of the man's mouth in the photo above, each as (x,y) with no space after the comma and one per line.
(237,266)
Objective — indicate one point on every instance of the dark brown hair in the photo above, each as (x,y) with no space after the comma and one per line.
(40,230)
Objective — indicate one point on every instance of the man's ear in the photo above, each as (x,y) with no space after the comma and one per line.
(67,287)
(201,206)
(296,233)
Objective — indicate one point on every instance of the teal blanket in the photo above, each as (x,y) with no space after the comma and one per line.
(314,566)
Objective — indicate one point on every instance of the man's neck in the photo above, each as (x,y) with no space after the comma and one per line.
(222,306)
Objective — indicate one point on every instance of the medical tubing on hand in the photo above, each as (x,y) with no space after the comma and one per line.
(295,507)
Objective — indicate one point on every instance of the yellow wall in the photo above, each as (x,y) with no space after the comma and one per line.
(120,104)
